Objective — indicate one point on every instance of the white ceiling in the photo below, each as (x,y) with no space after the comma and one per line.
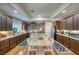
(42,9)
(47,11)
(9,10)
(73,8)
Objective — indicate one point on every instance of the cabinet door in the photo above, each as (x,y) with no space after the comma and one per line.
(4,43)
(66,41)
(63,24)
(78,47)
(4,23)
(0,22)
(12,42)
(58,25)
(4,46)
(4,50)
(9,24)
(59,38)
(70,23)
(76,22)
(72,44)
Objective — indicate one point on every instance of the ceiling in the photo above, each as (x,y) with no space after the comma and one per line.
(42,9)
(72,9)
(39,11)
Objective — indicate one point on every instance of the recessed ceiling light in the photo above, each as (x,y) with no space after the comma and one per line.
(39,15)
(15,11)
(63,11)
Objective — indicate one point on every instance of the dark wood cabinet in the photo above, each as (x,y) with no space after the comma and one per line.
(17,40)
(76,22)
(8,44)
(12,42)
(63,40)
(78,47)
(9,23)
(24,26)
(70,23)
(59,38)
(0,22)
(4,50)
(74,45)
(5,23)
(4,43)
(66,41)
(4,46)
(58,25)
(63,24)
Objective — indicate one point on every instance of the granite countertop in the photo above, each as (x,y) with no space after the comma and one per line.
(73,37)
(10,36)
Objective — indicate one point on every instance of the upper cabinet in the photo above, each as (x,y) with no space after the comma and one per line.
(58,26)
(9,23)
(63,24)
(4,26)
(0,22)
(5,23)
(76,22)
(24,26)
(70,23)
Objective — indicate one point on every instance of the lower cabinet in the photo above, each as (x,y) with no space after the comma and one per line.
(4,46)
(74,45)
(8,44)
(59,38)
(4,50)
(68,42)
(12,42)
(78,47)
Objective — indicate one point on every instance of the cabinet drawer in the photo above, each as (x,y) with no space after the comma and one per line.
(4,43)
